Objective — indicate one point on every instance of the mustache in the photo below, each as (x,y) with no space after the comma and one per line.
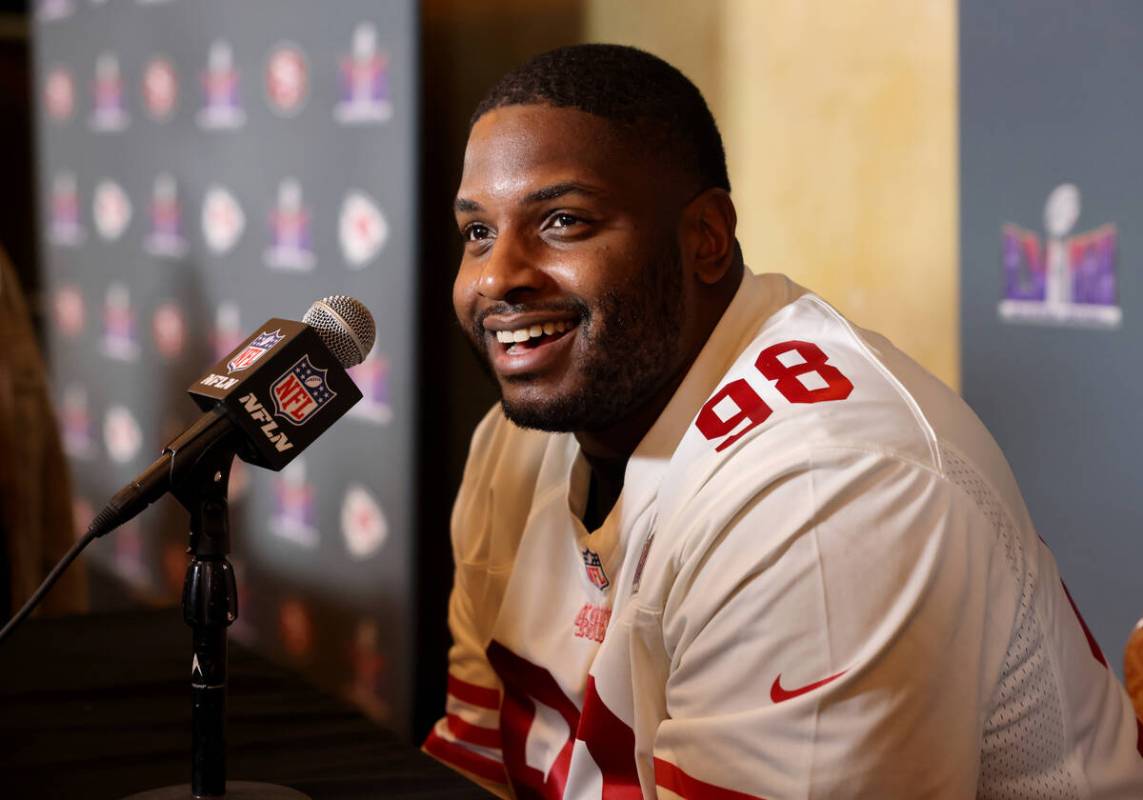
(569,306)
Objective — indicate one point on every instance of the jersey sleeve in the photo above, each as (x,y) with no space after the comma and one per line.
(467,738)
(828,638)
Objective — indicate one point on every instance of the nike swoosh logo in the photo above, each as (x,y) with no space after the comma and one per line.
(779,694)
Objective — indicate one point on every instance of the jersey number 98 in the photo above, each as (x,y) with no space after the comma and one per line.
(717,419)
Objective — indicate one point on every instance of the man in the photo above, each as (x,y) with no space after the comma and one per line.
(716,541)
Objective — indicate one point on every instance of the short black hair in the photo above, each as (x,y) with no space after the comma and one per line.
(629,87)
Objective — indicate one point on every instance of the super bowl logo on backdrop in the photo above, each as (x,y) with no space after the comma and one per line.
(119,339)
(227,332)
(361,228)
(363,85)
(363,524)
(75,421)
(259,346)
(50,10)
(111,209)
(294,518)
(69,310)
(222,109)
(64,228)
(370,667)
(160,89)
(372,378)
(287,79)
(165,238)
(169,329)
(301,392)
(222,220)
(1071,281)
(295,628)
(594,567)
(109,112)
(121,434)
(290,245)
(59,94)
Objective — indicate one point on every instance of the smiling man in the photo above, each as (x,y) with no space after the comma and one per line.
(716,541)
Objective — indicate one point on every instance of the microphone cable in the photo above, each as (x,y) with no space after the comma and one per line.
(49,581)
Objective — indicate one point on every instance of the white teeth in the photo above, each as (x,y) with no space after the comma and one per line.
(533,332)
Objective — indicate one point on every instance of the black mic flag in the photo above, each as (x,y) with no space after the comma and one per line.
(282,387)
(267,400)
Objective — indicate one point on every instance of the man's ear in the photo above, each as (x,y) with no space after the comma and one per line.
(709,223)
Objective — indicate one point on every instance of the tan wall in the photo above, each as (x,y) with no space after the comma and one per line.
(840,126)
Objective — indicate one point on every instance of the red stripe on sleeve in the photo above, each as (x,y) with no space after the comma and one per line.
(472,694)
(473,734)
(457,756)
(1095,651)
(675,780)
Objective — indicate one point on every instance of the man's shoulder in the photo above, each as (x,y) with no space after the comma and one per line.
(808,390)
(505,465)
(496,436)
(806,378)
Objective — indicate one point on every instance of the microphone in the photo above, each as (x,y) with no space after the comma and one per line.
(268,399)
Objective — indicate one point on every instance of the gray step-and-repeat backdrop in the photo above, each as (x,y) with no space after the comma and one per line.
(205,165)
(1051,300)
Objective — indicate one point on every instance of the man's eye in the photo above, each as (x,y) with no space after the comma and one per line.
(475,232)
(564,221)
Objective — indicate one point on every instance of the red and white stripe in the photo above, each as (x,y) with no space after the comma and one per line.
(467,738)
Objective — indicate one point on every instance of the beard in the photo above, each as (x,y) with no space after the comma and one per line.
(628,350)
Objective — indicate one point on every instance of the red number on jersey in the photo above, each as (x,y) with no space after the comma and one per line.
(750,407)
(715,424)
(771,364)
(609,741)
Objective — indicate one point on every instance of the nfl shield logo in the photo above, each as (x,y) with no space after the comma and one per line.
(594,567)
(258,347)
(301,392)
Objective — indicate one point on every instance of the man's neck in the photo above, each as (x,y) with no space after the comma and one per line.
(607,450)
(605,486)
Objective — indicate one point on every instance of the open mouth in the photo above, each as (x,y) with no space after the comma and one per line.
(520,340)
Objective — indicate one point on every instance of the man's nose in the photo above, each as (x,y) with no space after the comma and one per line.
(510,270)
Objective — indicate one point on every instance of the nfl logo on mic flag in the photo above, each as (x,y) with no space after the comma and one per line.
(301,392)
(258,347)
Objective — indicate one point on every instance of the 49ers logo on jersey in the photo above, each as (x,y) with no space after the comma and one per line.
(591,622)
(801,374)
(301,392)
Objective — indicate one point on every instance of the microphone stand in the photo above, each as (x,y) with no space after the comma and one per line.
(210,605)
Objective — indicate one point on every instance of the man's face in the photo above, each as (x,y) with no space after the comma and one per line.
(571,286)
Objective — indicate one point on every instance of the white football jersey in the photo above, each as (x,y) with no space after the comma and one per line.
(820,580)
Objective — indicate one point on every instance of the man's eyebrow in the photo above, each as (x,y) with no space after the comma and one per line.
(558,190)
(463,205)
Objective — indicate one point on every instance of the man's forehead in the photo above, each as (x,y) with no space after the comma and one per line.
(515,150)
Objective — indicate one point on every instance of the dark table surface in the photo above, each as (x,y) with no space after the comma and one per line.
(98,707)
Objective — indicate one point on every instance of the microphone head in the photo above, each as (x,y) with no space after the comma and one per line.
(345,326)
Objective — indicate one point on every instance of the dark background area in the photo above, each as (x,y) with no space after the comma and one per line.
(458,66)
(18,217)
